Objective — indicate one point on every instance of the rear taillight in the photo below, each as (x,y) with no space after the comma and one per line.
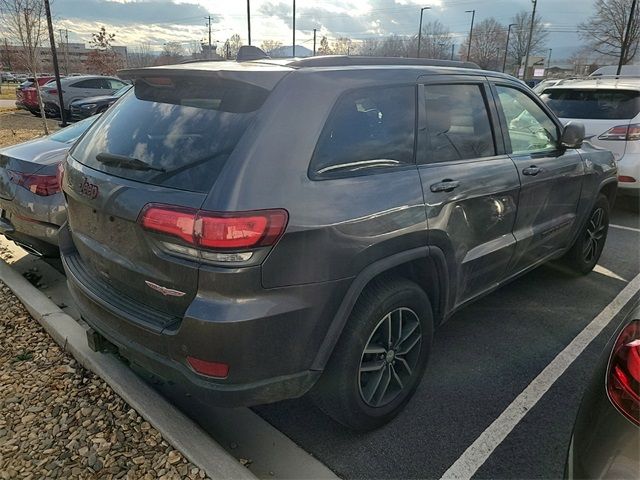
(211,369)
(626,179)
(216,231)
(43,185)
(622,132)
(52,91)
(623,376)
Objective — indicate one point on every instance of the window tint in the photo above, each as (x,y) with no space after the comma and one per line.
(371,128)
(178,134)
(93,83)
(530,128)
(114,84)
(598,104)
(458,124)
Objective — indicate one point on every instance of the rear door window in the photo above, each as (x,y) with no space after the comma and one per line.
(369,130)
(596,104)
(458,126)
(93,83)
(175,132)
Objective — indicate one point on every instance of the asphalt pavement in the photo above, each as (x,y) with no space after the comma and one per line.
(482,359)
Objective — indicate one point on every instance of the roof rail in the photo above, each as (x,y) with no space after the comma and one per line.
(349,60)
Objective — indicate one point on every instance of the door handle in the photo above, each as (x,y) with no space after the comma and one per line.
(447,185)
(532,170)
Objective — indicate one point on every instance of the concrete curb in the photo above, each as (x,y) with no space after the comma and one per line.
(177,429)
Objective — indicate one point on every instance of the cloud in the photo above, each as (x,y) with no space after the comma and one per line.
(143,12)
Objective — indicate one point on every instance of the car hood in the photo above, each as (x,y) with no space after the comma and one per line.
(99,99)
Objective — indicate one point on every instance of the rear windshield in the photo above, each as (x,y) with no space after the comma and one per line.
(72,133)
(173,132)
(597,104)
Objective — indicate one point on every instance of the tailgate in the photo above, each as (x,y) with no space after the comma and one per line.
(113,248)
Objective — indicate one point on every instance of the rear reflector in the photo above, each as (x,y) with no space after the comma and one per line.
(211,369)
(42,185)
(626,179)
(622,132)
(216,231)
(623,376)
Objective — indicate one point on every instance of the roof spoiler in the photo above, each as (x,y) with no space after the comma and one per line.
(249,52)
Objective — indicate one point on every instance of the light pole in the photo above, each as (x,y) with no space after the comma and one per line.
(249,21)
(473,16)
(626,39)
(420,29)
(526,58)
(549,59)
(506,48)
(294,29)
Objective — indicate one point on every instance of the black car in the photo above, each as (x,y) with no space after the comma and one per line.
(259,229)
(89,106)
(606,436)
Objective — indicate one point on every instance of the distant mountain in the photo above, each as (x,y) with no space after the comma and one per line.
(287,52)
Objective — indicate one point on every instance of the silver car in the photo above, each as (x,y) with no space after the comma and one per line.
(76,88)
(31,203)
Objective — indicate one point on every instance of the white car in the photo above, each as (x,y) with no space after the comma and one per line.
(610,111)
(76,88)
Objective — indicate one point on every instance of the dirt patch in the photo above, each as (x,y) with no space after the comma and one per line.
(61,421)
(20,126)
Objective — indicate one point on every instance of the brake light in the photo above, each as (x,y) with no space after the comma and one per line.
(211,369)
(622,132)
(626,179)
(216,231)
(623,376)
(52,91)
(42,185)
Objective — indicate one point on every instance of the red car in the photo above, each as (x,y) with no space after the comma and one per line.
(27,95)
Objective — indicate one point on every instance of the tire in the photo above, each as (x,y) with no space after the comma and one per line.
(349,395)
(586,251)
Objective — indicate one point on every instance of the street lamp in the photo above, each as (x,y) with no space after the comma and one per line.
(506,48)
(473,16)
(420,30)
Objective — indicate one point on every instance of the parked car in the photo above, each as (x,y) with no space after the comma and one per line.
(544,84)
(32,206)
(609,70)
(8,77)
(76,88)
(27,94)
(92,105)
(610,111)
(233,233)
(21,77)
(606,437)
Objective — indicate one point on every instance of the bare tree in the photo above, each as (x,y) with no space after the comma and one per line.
(342,46)
(436,41)
(605,30)
(269,46)
(520,36)
(25,23)
(232,46)
(102,59)
(194,49)
(172,52)
(487,44)
(140,56)
(325,48)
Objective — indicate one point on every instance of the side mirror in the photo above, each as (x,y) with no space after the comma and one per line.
(572,135)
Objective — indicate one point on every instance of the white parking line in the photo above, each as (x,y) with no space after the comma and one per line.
(608,273)
(622,227)
(478,452)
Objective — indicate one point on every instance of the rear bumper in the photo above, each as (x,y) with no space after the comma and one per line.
(629,166)
(268,340)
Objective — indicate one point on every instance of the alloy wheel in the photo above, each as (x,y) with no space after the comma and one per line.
(390,357)
(596,228)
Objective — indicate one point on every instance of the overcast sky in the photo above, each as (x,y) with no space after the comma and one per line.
(160,21)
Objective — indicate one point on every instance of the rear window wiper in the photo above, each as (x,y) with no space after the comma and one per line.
(123,161)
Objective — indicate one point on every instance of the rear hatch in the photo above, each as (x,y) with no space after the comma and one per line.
(605,113)
(165,142)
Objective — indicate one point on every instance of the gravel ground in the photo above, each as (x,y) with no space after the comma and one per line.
(59,420)
(20,126)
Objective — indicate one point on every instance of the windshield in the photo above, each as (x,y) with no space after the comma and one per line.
(178,132)
(122,91)
(72,133)
(597,104)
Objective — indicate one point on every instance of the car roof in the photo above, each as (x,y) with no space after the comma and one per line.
(272,70)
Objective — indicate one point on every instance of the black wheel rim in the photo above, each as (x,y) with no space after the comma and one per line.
(594,236)
(390,357)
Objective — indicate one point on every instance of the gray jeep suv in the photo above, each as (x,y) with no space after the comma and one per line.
(261,229)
